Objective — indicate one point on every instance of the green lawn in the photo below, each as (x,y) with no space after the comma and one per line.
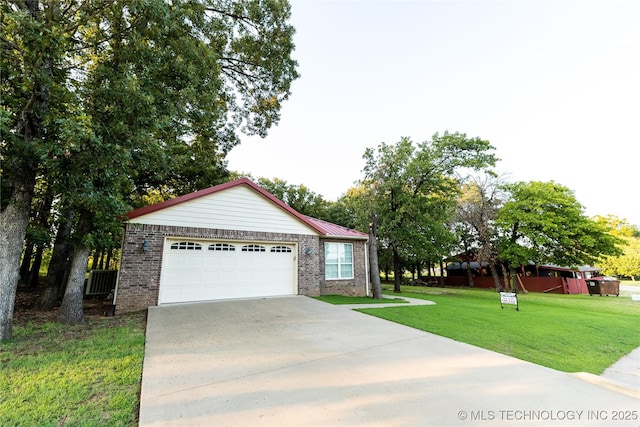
(85,375)
(570,333)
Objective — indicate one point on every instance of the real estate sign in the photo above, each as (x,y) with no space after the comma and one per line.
(509,298)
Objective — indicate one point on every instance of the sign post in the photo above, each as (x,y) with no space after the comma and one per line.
(509,298)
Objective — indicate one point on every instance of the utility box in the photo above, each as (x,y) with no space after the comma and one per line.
(603,287)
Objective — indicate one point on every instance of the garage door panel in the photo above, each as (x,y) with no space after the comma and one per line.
(224,270)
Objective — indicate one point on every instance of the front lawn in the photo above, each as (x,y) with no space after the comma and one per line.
(570,333)
(85,375)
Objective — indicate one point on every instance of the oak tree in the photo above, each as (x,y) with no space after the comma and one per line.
(112,98)
(412,189)
(543,223)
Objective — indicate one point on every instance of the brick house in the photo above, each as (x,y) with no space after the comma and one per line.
(234,240)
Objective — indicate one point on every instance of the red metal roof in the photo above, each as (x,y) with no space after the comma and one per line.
(322,227)
(336,230)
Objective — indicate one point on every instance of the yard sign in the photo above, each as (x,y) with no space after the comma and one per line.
(509,298)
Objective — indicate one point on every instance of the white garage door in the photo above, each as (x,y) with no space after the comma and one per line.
(213,270)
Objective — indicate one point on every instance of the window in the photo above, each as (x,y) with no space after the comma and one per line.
(338,261)
(253,248)
(285,249)
(222,247)
(190,246)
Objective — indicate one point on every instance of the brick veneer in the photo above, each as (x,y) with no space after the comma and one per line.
(139,277)
(349,287)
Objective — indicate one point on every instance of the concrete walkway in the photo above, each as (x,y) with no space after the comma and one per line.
(298,361)
(409,302)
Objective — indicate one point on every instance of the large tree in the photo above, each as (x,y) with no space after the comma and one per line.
(412,189)
(543,223)
(110,98)
(477,208)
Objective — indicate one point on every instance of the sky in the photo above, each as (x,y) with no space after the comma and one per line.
(554,85)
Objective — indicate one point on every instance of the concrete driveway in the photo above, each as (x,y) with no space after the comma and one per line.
(297,361)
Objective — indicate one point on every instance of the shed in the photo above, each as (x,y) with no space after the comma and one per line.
(234,240)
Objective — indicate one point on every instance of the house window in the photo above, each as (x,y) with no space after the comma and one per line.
(253,248)
(189,246)
(222,247)
(338,261)
(285,249)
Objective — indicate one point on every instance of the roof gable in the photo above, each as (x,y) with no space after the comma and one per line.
(244,201)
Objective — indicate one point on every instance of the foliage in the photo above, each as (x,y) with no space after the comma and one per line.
(572,333)
(542,222)
(111,99)
(628,263)
(412,188)
(83,375)
(299,197)
(477,207)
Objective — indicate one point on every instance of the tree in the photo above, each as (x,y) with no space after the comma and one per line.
(476,211)
(412,189)
(299,197)
(543,223)
(628,263)
(128,96)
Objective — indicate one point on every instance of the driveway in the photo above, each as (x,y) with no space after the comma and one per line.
(297,361)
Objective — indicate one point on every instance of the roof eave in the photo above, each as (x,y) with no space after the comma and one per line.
(337,236)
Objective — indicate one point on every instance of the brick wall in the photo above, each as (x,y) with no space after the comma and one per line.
(349,287)
(139,278)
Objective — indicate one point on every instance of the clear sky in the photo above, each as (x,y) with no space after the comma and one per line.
(553,85)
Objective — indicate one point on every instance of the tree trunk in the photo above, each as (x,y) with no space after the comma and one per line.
(25,265)
(374,269)
(94,263)
(494,274)
(71,312)
(513,274)
(505,277)
(13,226)
(71,309)
(469,273)
(34,281)
(58,264)
(397,271)
(108,261)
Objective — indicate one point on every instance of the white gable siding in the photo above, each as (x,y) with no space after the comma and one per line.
(236,208)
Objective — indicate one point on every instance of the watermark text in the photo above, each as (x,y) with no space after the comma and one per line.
(548,415)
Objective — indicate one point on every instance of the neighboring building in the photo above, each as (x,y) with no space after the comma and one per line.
(234,240)
(536,278)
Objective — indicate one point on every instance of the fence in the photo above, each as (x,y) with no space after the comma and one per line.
(101,282)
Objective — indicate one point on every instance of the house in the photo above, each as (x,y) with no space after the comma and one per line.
(234,240)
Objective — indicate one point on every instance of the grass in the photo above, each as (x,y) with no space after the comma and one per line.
(85,375)
(88,375)
(571,333)
(339,299)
